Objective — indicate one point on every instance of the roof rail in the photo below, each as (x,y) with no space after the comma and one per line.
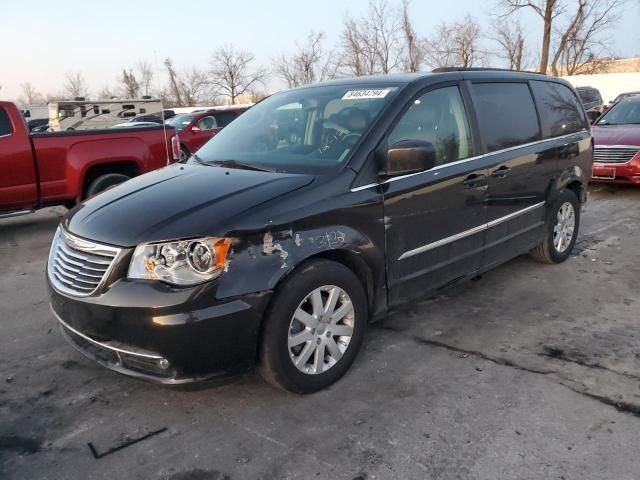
(480,69)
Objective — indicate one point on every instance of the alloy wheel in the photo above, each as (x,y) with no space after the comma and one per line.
(321,329)
(564,227)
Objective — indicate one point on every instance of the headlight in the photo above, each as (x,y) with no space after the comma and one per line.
(183,262)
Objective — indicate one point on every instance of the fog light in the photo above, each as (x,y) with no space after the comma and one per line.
(164,364)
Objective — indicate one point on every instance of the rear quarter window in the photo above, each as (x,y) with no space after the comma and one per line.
(560,111)
(506,114)
(6,128)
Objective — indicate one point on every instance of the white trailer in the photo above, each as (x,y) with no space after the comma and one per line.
(34,112)
(86,115)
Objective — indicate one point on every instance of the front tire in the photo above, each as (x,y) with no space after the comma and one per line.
(561,230)
(314,328)
(184,154)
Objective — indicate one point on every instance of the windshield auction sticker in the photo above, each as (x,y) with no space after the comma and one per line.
(358,94)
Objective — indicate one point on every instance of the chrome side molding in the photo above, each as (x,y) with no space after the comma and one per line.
(468,233)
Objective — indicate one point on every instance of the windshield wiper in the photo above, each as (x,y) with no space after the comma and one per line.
(239,164)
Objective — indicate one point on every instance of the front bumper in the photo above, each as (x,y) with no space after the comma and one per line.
(168,335)
(628,173)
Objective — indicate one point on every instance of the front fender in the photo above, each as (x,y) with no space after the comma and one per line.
(260,262)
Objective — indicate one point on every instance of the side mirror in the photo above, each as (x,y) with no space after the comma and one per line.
(410,156)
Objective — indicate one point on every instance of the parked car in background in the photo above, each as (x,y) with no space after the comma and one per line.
(37,122)
(136,124)
(401,185)
(155,118)
(196,129)
(622,96)
(592,101)
(40,128)
(617,143)
(63,168)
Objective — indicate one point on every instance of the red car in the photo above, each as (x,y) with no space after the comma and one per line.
(195,129)
(617,143)
(63,168)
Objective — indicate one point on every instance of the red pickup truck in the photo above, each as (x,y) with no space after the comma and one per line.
(63,168)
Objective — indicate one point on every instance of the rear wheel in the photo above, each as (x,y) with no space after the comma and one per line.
(104,182)
(314,328)
(562,230)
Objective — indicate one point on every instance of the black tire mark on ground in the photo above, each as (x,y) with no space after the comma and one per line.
(621,406)
(558,353)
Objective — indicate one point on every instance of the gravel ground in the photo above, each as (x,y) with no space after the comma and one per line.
(530,372)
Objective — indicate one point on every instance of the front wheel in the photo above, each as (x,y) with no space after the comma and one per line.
(314,328)
(184,154)
(561,230)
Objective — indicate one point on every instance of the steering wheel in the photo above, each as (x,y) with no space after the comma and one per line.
(350,139)
(337,127)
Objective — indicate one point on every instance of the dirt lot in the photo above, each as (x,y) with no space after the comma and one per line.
(531,372)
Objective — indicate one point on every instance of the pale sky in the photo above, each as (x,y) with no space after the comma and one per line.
(45,39)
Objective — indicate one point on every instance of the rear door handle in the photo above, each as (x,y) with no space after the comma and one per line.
(474,180)
(500,172)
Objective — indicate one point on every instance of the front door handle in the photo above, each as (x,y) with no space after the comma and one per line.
(474,180)
(500,172)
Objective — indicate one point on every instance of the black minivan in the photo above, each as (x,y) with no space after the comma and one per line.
(276,250)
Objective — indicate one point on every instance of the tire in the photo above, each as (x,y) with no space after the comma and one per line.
(103,182)
(551,249)
(184,154)
(277,356)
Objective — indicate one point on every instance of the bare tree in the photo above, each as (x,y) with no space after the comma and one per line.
(30,96)
(106,93)
(56,97)
(75,85)
(414,51)
(510,39)
(547,10)
(145,73)
(579,46)
(174,96)
(308,63)
(457,44)
(130,84)
(358,59)
(373,43)
(232,74)
(187,88)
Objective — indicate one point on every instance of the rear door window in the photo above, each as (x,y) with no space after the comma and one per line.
(506,114)
(5,123)
(225,118)
(560,111)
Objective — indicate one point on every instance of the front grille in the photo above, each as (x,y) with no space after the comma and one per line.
(614,155)
(77,266)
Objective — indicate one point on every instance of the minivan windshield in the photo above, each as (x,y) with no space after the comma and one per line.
(308,130)
(623,113)
(180,122)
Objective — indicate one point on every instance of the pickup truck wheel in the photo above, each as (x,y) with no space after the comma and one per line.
(105,182)
(184,154)
(314,328)
(561,230)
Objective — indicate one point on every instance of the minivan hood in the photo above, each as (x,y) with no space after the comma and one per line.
(616,135)
(178,201)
